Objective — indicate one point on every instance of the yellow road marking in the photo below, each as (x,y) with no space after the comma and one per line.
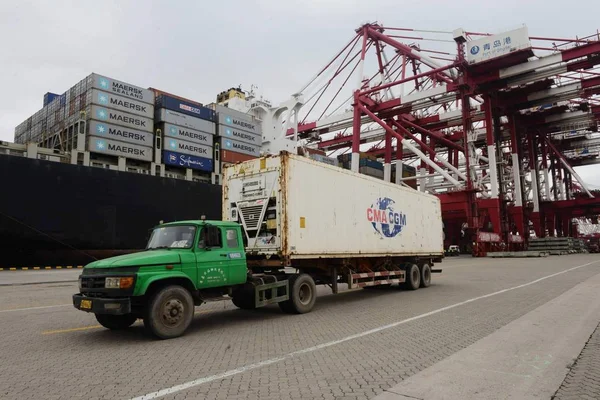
(59,267)
(82,328)
(85,328)
(36,267)
(13,269)
(25,268)
(48,267)
(69,266)
(80,266)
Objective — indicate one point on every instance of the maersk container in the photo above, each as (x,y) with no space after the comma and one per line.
(240,147)
(190,135)
(238,120)
(240,135)
(185,147)
(185,107)
(305,209)
(121,118)
(177,118)
(110,100)
(115,132)
(120,149)
(119,88)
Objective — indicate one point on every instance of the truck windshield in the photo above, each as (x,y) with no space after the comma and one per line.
(172,237)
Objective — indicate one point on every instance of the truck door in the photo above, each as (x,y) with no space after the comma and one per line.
(211,258)
(236,256)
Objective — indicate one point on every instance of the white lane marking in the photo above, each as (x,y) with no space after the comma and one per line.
(226,374)
(34,308)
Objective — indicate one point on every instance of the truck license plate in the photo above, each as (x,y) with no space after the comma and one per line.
(86,304)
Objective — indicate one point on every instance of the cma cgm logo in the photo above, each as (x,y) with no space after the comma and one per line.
(385,220)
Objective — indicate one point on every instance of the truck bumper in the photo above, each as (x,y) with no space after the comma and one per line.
(99,305)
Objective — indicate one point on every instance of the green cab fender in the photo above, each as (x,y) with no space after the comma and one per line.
(145,280)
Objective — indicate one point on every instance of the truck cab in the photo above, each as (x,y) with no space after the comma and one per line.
(183,264)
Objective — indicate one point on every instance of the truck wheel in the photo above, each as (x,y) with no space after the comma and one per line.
(116,322)
(244,298)
(169,312)
(413,277)
(425,275)
(303,294)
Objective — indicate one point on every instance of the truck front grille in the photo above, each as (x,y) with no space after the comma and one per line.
(92,282)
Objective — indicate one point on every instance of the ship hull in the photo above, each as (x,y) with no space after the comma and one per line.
(60,214)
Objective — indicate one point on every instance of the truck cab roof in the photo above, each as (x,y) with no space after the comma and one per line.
(200,222)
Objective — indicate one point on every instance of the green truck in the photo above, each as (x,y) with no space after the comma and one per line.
(185,264)
(289,224)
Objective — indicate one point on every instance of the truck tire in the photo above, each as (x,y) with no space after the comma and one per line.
(413,277)
(169,312)
(425,275)
(303,294)
(116,322)
(244,298)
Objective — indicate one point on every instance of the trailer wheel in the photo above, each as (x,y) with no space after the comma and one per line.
(303,294)
(244,297)
(116,322)
(413,277)
(169,312)
(425,275)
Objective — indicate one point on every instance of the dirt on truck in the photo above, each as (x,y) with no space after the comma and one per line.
(331,225)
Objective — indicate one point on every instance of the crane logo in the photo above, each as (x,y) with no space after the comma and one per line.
(385,219)
(474,50)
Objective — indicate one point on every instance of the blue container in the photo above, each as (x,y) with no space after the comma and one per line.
(365,162)
(187,161)
(49,97)
(185,107)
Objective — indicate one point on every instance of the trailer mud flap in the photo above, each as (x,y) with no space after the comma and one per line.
(267,293)
(375,278)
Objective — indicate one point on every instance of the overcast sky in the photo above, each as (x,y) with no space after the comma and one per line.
(198,48)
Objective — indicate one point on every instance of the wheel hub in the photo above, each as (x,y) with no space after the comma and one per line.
(304,294)
(172,312)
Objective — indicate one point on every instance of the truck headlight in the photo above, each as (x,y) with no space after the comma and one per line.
(118,283)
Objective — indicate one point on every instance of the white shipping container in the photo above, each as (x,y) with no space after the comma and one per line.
(307,209)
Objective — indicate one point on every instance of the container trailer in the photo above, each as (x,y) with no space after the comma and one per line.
(289,224)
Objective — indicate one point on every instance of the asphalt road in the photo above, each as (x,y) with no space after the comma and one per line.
(355,345)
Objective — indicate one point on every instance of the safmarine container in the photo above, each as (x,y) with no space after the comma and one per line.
(190,135)
(187,161)
(180,119)
(121,149)
(115,132)
(185,107)
(240,147)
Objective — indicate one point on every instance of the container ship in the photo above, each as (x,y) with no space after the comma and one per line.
(93,171)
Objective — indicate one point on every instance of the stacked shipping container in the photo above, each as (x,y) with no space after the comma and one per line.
(240,135)
(188,129)
(119,118)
